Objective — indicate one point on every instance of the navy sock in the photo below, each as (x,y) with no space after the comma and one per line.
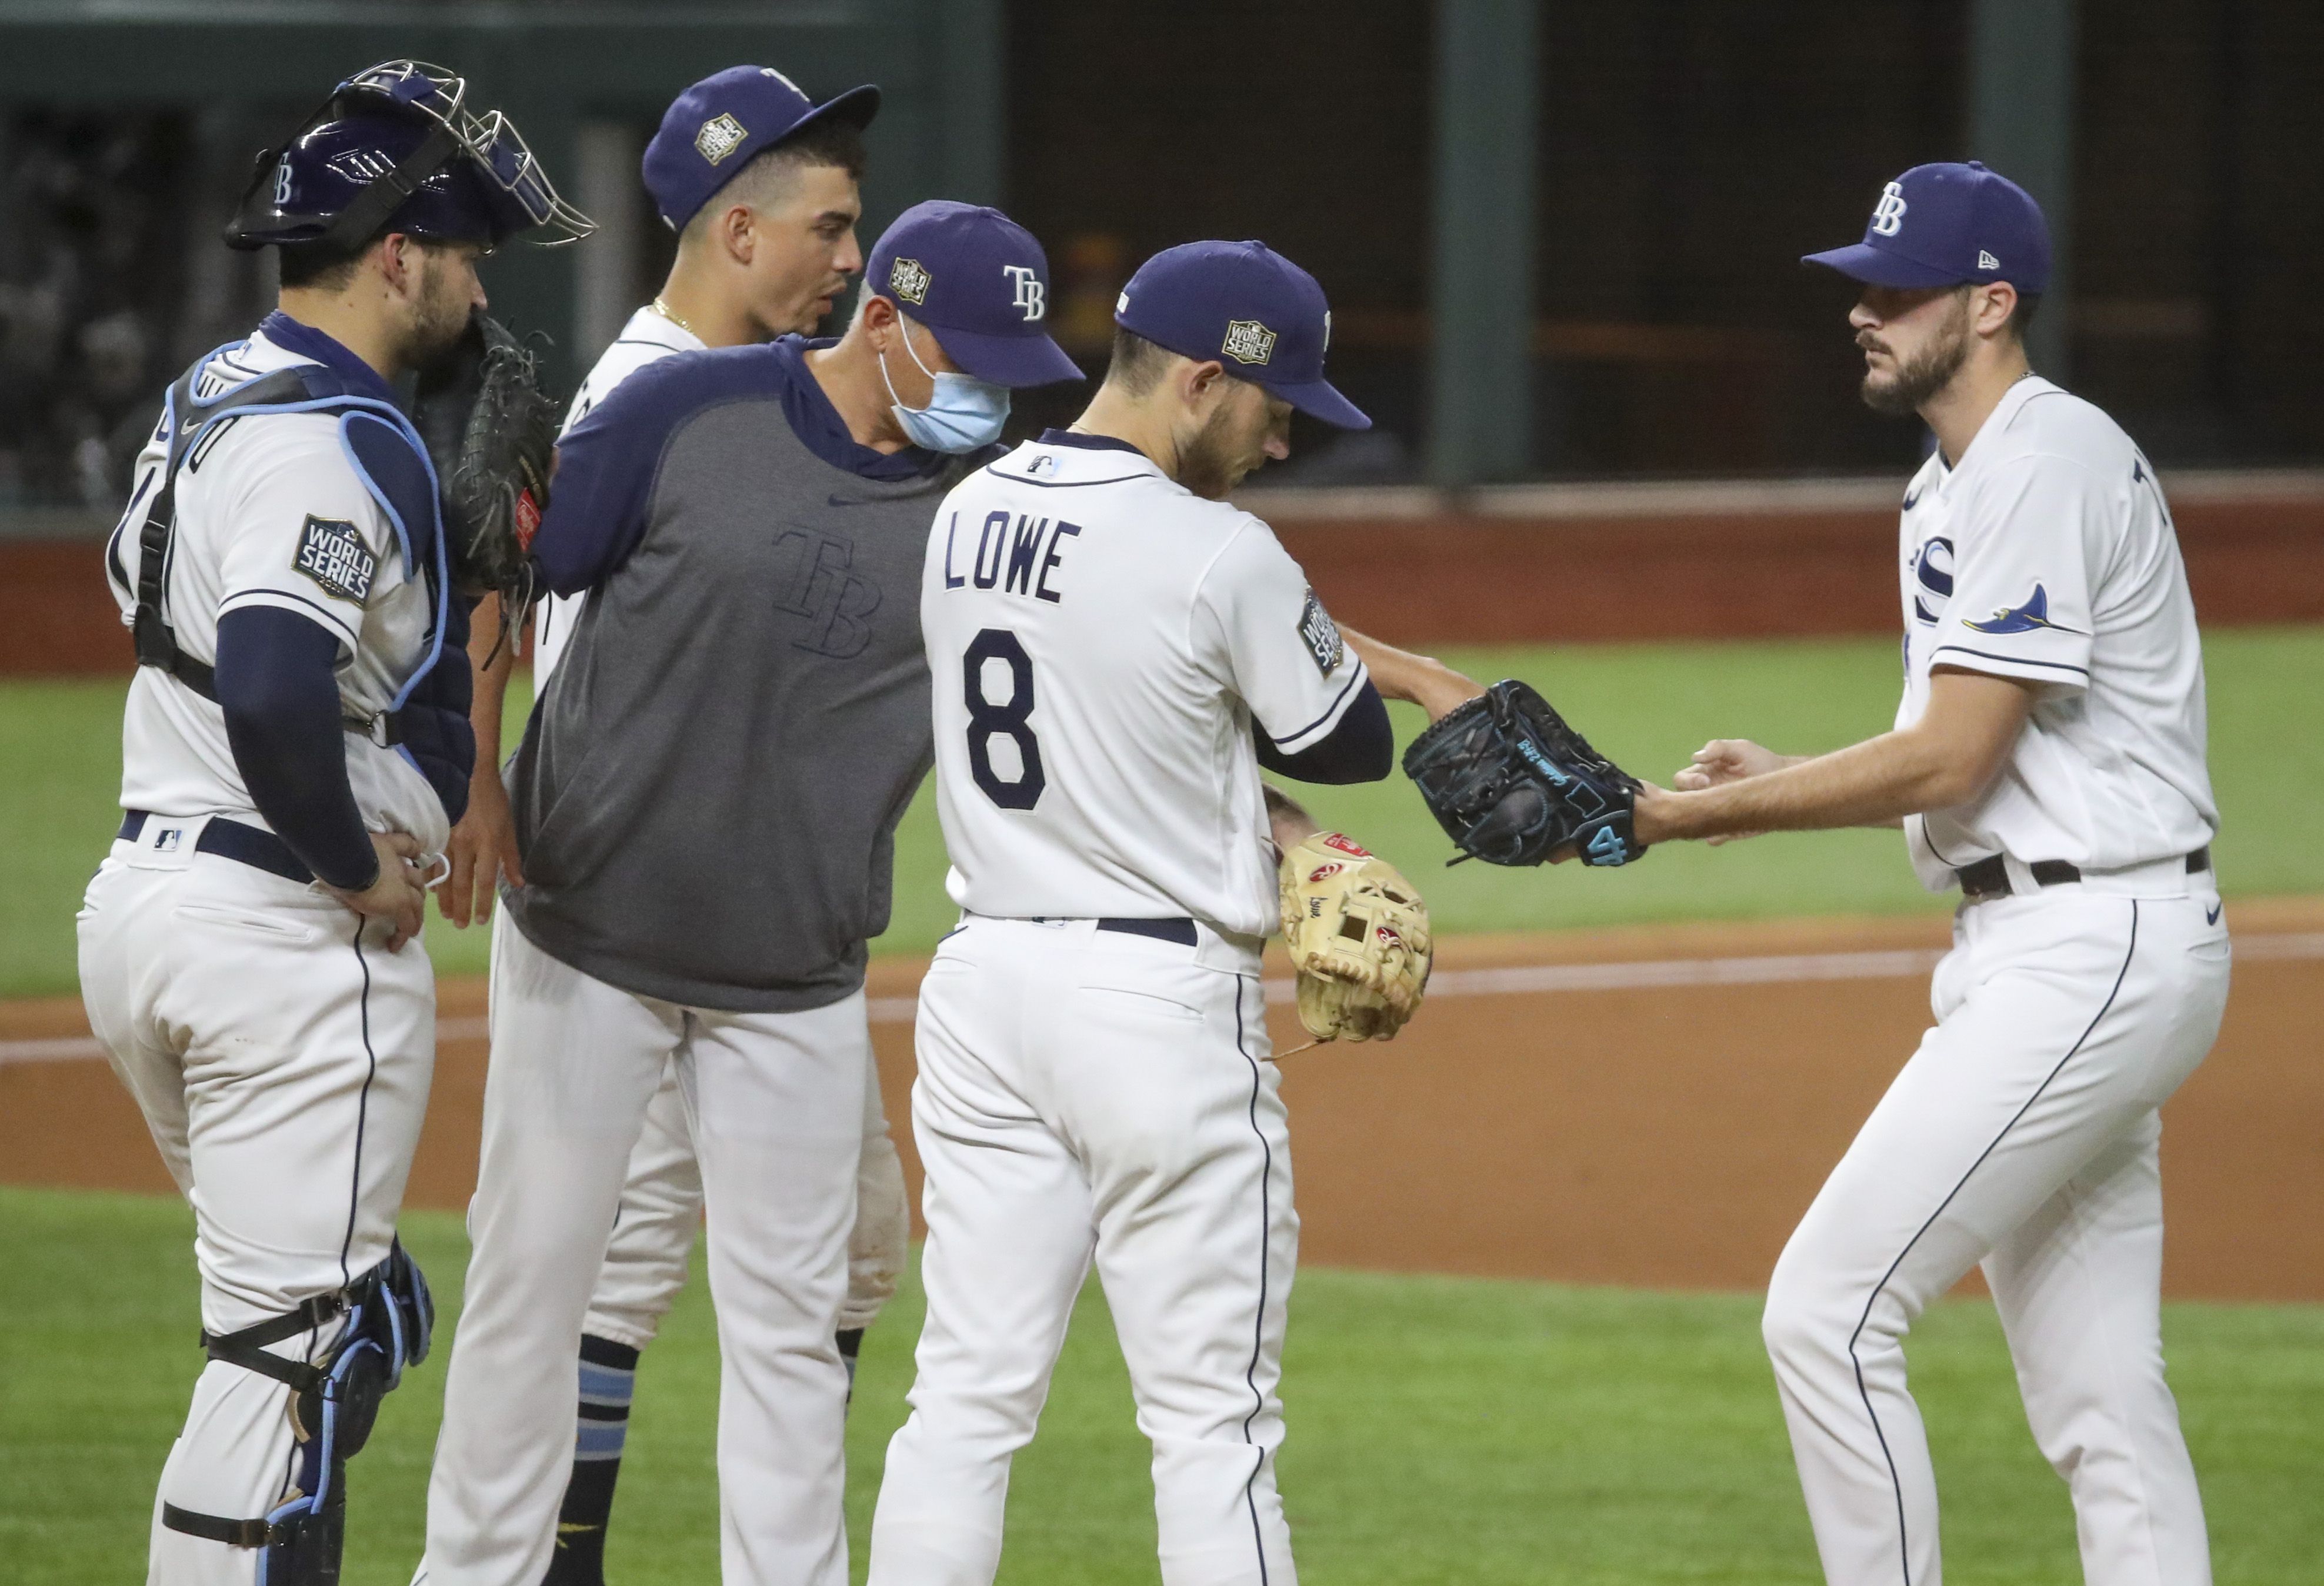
(608,1379)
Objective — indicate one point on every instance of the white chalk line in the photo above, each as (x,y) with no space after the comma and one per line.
(1515,981)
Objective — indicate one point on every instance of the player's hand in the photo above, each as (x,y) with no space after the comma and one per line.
(399,894)
(1727,760)
(483,849)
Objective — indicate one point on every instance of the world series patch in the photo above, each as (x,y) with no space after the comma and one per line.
(1320,635)
(334,555)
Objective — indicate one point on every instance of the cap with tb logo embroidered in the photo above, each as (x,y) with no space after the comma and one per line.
(1949,224)
(980,282)
(1249,307)
(716,127)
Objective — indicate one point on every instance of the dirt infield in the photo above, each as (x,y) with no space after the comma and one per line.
(1647,1106)
(1564,564)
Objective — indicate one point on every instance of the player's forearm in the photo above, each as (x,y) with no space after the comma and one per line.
(1876,782)
(493,663)
(1399,674)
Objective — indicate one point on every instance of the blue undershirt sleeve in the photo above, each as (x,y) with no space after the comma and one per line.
(1361,748)
(278,684)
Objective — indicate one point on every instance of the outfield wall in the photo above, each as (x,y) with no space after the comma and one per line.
(1523,564)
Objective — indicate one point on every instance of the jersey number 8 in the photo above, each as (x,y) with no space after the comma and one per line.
(987,720)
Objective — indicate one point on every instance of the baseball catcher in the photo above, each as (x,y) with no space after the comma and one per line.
(1358,934)
(1512,784)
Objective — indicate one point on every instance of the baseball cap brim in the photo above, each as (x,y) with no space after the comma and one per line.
(856,107)
(1320,398)
(1007,360)
(1881,267)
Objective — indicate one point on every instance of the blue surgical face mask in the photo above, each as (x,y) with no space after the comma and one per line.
(963,413)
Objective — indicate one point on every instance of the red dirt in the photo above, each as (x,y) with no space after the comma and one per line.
(1745,573)
(1664,1138)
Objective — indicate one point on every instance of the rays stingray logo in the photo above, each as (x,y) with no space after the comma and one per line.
(2022,619)
(1932,571)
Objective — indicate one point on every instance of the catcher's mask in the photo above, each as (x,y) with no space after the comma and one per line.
(396,143)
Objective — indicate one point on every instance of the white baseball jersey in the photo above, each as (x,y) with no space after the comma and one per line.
(270,511)
(2048,554)
(1101,641)
(649,334)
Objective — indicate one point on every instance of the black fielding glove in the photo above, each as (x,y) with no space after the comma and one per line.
(1512,784)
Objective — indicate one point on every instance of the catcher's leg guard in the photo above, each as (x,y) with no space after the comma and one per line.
(389,1319)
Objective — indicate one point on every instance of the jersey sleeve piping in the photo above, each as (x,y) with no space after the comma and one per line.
(285,600)
(1292,743)
(2010,665)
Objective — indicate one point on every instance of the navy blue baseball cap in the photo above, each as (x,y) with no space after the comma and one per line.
(1251,309)
(1949,224)
(978,279)
(713,129)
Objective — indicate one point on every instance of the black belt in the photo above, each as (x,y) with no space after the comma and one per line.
(1989,877)
(231,840)
(1180,930)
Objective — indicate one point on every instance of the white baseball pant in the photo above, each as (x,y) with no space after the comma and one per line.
(1085,1092)
(281,1056)
(661,1207)
(2023,1135)
(776,1106)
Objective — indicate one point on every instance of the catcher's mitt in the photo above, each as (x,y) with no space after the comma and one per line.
(1357,934)
(1512,784)
(491,431)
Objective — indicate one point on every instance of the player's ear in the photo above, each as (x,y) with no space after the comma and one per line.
(735,233)
(1200,382)
(1995,305)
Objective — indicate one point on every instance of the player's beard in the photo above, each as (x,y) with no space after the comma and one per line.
(1221,454)
(440,317)
(1919,379)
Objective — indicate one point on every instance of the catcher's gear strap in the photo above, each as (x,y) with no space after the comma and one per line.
(189,419)
(389,1322)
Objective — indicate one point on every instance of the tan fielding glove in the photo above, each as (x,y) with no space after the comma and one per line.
(1357,933)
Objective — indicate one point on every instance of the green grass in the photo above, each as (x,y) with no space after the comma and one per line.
(1647,705)
(1441,1430)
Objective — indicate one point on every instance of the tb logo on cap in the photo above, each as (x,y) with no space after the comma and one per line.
(1888,215)
(1031,296)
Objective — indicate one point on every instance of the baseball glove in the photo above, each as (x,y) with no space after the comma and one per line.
(491,431)
(1512,784)
(1357,934)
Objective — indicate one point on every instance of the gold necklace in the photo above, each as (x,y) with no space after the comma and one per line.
(670,314)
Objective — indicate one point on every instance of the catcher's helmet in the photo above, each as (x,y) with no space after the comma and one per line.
(397,142)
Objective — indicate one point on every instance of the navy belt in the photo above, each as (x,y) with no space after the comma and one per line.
(1989,877)
(1180,930)
(231,840)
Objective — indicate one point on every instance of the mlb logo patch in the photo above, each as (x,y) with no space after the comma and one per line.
(720,136)
(334,555)
(169,839)
(909,280)
(1248,342)
(1320,635)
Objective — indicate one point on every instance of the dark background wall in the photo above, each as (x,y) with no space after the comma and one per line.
(1690,151)
(1687,152)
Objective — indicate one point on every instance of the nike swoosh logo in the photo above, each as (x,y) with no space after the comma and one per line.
(2211,915)
(1911,499)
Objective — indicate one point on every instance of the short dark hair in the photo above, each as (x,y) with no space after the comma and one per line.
(329,267)
(832,142)
(1136,362)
